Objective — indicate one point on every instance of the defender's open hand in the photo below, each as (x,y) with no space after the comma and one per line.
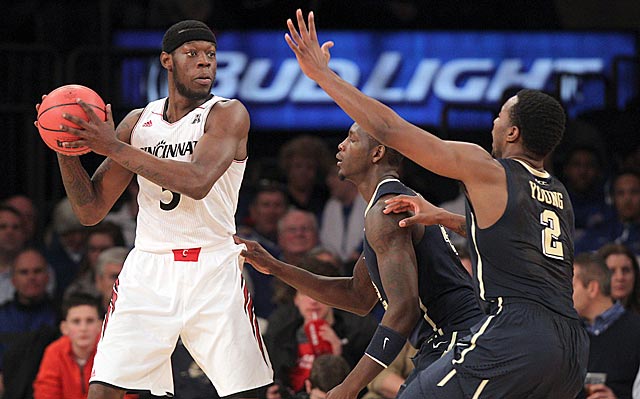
(313,59)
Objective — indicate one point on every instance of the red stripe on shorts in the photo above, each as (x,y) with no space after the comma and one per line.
(248,308)
(112,305)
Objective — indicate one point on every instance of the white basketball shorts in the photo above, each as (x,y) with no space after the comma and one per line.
(196,294)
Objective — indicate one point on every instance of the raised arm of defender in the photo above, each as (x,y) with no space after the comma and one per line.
(466,162)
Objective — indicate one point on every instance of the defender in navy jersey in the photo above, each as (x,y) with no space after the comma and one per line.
(530,344)
(415,273)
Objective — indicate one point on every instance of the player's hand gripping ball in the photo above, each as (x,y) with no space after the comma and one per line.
(63,100)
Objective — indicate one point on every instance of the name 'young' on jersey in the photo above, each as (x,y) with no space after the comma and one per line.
(528,253)
(168,220)
(447,300)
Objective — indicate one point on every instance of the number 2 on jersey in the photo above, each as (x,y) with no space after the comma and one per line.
(551,246)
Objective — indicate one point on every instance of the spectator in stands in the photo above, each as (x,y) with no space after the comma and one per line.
(327,372)
(31,307)
(108,267)
(387,384)
(342,221)
(65,245)
(624,227)
(267,207)
(291,351)
(66,365)
(625,283)
(583,175)
(99,238)
(297,235)
(303,161)
(614,344)
(24,205)
(12,240)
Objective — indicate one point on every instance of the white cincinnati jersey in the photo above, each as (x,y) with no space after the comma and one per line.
(168,220)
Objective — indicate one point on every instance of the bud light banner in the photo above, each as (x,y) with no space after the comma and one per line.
(416,73)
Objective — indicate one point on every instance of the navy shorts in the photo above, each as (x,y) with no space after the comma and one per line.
(522,351)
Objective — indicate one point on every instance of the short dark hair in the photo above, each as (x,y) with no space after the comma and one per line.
(593,268)
(541,121)
(328,371)
(393,157)
(79,299)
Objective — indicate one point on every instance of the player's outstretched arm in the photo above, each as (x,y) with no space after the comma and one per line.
(353,294)
(425,213)
(460,161)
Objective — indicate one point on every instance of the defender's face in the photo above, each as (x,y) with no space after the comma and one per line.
(501,126)
(194,69)
(353,154)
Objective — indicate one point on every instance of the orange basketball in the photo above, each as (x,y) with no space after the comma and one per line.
(63,100)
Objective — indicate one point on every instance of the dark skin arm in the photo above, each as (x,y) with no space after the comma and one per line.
(393,246)
(93,197)
(425,213)
(354,294)
(484,178)
(224,139)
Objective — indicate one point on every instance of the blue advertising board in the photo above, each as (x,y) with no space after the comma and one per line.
(416,73)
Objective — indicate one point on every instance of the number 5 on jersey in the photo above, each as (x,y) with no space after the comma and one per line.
(175,200)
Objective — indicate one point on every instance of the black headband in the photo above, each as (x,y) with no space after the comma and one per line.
(186,31)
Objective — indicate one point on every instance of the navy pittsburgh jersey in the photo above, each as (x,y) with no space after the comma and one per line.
(528,253)
(447,300)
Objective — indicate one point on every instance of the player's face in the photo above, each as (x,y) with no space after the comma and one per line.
(622,276)
(501,126)
(82,326)
(353,155)
(30,275)
(194,69)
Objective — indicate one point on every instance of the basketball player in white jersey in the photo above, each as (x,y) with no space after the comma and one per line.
(183,277)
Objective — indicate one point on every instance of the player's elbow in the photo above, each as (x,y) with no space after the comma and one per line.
(364,306)
(198,190)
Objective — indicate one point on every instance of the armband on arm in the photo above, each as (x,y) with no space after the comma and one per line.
(385,345)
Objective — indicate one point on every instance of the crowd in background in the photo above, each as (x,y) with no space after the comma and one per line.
(297,208)
(301,213)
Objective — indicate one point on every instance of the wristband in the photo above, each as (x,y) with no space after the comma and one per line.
(385,345)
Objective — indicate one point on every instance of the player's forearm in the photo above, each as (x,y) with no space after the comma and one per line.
(179,177)
(80,190)
(333,291)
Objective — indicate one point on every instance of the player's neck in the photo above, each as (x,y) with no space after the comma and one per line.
(176,107)
(537,164)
